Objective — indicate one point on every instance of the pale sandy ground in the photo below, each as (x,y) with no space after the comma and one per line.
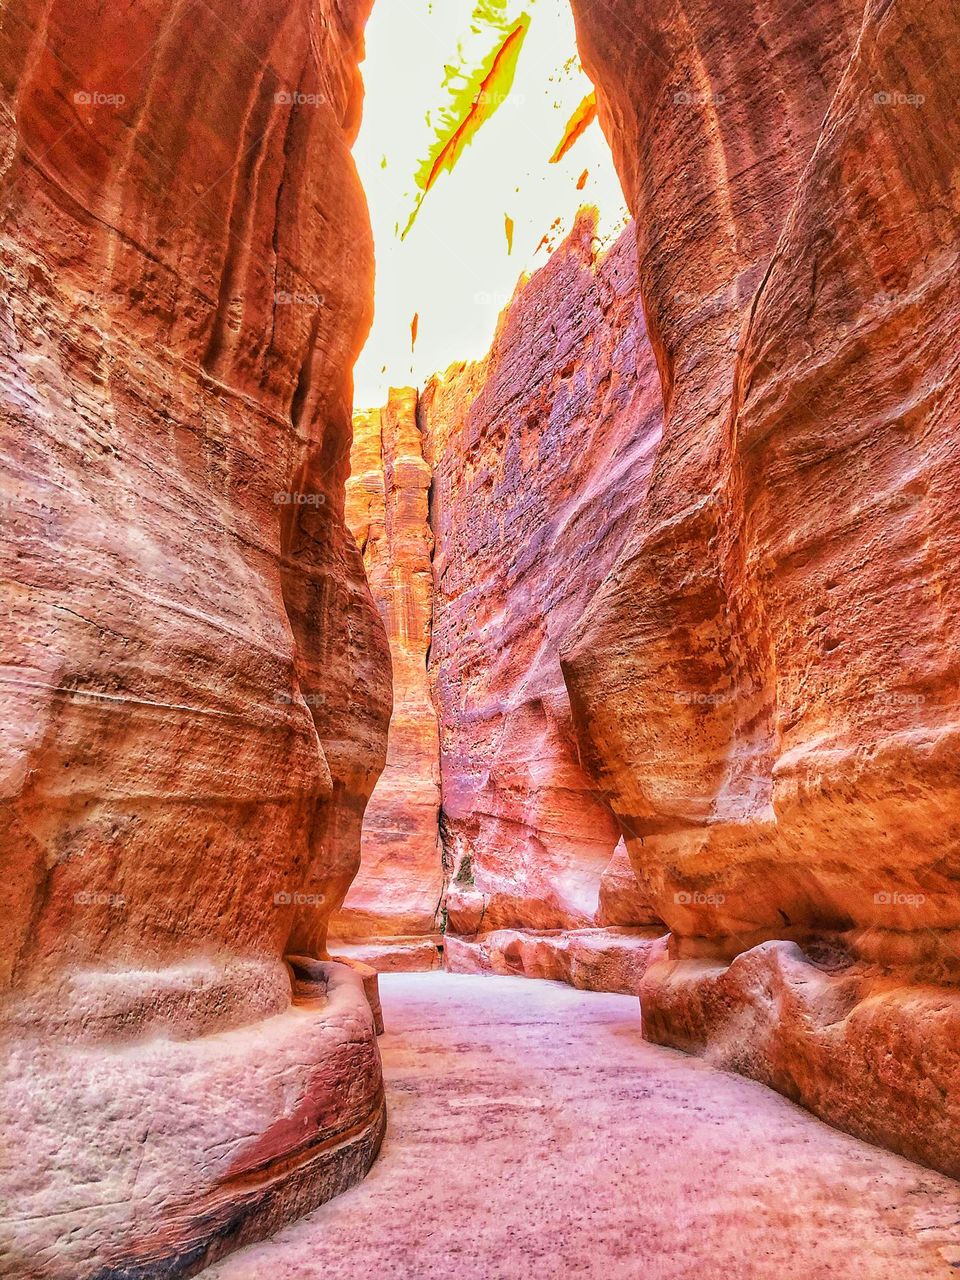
(533,1135)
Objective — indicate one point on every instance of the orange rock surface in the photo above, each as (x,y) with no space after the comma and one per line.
(195,679)
(390,913)
(766,686)
(538,458)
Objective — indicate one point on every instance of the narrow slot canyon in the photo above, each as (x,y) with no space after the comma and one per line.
(489,508)
(481,654)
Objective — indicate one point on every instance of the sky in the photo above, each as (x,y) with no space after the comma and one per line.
(454,270)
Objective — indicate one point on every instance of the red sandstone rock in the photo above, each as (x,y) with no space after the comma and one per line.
(259,1123)
(622,900)
(873,1053)
(591,959)
(195,684)
(541,456)
(393,902)
(766,685)
(393,955)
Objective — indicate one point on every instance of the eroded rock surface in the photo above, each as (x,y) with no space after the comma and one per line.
(766,685)
(536,460)
(390,914)
(541,456)
(196,683)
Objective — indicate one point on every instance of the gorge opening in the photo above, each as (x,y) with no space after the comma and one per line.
(550,429)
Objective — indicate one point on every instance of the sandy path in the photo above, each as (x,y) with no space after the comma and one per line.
(533,1135)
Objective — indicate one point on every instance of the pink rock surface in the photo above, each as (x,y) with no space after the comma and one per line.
(393,955)
(877,1055)
(398,888)
(767,684)
(195,681)
(534,1134)
(541,456)
(156,1155)
(591,959)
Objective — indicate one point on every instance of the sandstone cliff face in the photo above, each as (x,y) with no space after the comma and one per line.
(196,682)
(541,456)
(767,683)
(390,913)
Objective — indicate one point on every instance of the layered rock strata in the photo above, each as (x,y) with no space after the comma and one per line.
(540,455)
(390,916)
(195,679)
(766,685)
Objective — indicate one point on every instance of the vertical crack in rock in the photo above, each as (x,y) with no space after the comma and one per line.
(523,473)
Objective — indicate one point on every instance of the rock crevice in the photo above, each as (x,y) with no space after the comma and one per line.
(536,460)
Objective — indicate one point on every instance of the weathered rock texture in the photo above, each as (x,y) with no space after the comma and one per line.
(258,1123)
(541,456)
(767,683)
(196,682)
(390,914)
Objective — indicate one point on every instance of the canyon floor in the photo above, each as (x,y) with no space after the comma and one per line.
(534,1134)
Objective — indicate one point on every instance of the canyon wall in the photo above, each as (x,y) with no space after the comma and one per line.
(195,679)
(766,685)
(390,916)
(540,456)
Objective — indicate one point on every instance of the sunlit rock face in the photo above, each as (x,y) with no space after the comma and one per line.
(389,917)
(541,457)
(196,681)
(767,683)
